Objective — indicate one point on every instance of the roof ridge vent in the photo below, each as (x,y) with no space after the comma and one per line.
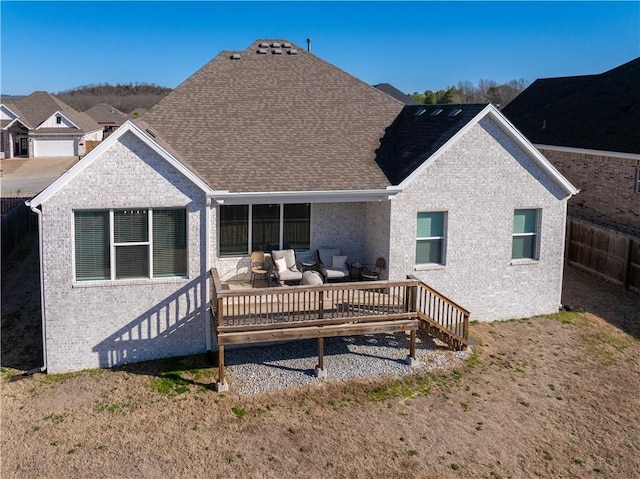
(235,56)
(262,51)
(455,112)
(419,112)
(293,51)
(436,112)
(277,51)
(276,45)
(263,45)
(286,45)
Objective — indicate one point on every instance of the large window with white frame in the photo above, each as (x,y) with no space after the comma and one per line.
(132,243)
(266,227)
(525,234)
(431,237)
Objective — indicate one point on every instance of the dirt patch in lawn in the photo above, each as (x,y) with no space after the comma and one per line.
(543,397)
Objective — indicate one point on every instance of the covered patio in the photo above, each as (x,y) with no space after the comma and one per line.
(260,315)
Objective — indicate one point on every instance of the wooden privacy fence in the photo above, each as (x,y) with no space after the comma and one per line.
(605,253)
(340,309)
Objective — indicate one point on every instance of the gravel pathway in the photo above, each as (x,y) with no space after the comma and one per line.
(290,364)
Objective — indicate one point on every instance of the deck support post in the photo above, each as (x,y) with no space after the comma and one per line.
(221,385)
(411,359)
(320,372)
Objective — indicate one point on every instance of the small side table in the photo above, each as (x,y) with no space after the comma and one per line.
(308,265)
(354,271)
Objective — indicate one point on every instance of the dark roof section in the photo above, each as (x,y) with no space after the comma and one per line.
(417,133)
(104,113)
(35,108)
(596,112)
(395,93)
(276,122)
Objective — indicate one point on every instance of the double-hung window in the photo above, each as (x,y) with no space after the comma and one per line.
(525,234)
(245,228)
(130,243)
(430,237)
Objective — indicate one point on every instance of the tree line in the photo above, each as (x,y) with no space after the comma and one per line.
(486,91)
(125,97)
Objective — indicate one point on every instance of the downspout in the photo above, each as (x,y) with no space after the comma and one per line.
(42,369)
(207,260)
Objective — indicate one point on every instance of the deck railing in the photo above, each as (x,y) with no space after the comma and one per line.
(331,304)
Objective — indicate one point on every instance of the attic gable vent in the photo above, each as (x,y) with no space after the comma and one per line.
(455,112)
(420,111)
(235,56)
(276,45)
(293,51)
(277,51)
(286,45)
(436,112)
(262,51)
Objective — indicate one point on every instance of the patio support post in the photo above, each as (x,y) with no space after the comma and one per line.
(411,359)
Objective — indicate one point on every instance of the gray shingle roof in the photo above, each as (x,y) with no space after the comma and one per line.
(276,122)
(104,113)
(395,93)
(40,105)
(598,112)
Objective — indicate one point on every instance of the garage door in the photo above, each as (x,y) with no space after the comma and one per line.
(54,148)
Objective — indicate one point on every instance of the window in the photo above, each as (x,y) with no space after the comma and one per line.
(430,237)
(525,234)
(58,120)
(131,243)
(244,228)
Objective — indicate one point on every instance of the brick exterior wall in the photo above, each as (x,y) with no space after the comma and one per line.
(479,181)
(607,188)
(109,323)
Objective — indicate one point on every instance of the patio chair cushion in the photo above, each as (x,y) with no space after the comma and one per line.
(325,255)
(335,273)
(281,264)
(290,271)
(338,262)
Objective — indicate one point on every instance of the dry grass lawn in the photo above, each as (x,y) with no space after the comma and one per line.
(548,397)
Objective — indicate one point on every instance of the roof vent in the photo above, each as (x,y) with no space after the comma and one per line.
(262,51)
(436,112)
(455,112)
(152,132)
(264,45)
(419,111)
(293,51)
(235,56)
(275,45)
(277,51)
(286,45)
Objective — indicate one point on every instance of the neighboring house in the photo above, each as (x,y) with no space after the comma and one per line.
(40,125)
(108,117)
(395,93)
(589,128)
(269,148)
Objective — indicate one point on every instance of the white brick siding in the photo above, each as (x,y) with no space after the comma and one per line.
(479,181)
(104,324)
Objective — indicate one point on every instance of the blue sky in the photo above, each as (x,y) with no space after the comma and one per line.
(415,46)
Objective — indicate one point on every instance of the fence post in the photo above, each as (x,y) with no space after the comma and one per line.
(627,265)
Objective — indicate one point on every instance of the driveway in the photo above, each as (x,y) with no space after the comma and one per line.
(28,177)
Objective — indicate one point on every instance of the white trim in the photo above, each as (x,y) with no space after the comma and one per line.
(104,146)
(511,130)
(57,112)
(585,151)
(6,128)
(16,116)
(335,196)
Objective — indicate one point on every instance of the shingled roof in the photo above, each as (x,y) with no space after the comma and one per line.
(598,112)
(276,118)
(35,108)
(395,93)
(417,133)
(104,113)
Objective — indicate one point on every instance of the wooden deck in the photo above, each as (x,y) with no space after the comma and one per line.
(341,309)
